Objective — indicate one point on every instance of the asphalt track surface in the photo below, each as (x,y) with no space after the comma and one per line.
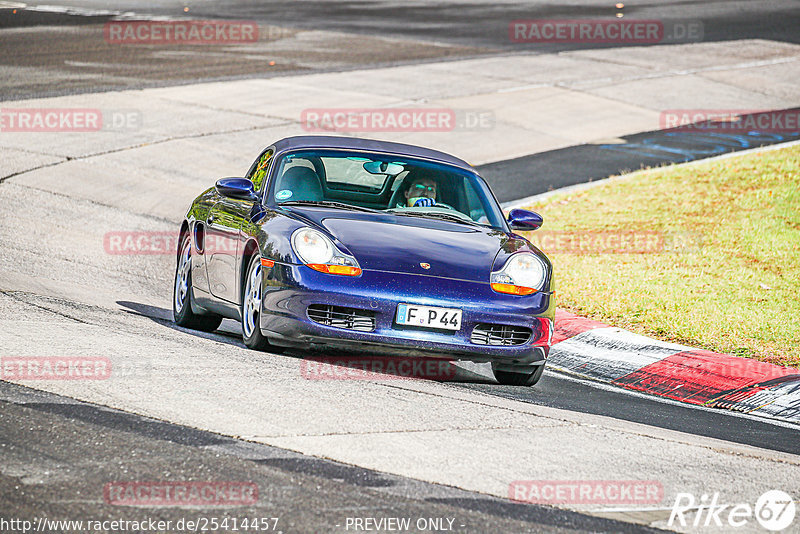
(475,23)
(86,445)
(49,53)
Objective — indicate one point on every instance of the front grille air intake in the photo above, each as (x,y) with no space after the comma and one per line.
(341,317)
(500,334)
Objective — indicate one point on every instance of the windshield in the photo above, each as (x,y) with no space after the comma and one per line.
(387,183)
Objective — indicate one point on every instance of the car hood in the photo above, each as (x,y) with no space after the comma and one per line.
(405,244)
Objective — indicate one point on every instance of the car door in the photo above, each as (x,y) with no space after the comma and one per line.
(223,236)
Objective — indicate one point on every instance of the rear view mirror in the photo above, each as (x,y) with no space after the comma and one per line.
(383,167)
(524,220)
(238,188)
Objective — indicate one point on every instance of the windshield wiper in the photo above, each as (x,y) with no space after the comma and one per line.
(327,204)
(444,216)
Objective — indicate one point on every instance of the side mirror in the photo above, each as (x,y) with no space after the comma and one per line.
(524,220)
(238,188)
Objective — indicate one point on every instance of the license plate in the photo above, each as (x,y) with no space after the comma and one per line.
(429,316)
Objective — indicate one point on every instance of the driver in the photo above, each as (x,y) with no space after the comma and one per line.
(421,192)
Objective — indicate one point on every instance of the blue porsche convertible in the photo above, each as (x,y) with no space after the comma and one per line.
(361,245)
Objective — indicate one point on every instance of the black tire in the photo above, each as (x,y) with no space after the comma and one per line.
(184,316)
(255,340)
(511,378)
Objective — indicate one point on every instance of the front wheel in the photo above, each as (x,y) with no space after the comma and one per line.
(251,308)
(182,294)
(512,378)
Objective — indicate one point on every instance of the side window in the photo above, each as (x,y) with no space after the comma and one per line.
(260,171)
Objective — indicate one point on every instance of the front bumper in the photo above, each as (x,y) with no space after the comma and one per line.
(290,289)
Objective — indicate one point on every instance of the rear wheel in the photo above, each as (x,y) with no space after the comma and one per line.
(251,308)
(182,294)
(512,378)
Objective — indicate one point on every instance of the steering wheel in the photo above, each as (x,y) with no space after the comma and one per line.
(443,205)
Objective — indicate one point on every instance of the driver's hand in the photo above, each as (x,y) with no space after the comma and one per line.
(423,202)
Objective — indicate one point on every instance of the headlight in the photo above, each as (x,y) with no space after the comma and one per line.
(318,252)
(523,274)
(312,246)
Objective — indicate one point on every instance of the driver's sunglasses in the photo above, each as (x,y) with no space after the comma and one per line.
(420,188)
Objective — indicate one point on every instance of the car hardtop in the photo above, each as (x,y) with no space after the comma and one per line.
(300,142)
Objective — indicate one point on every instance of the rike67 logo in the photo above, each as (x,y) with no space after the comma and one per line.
(774,511)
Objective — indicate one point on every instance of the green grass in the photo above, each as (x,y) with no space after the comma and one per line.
(727,278)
